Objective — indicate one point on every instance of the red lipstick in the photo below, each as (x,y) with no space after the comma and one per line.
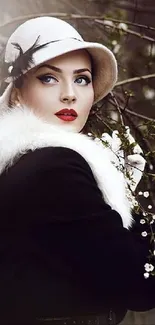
(67,114)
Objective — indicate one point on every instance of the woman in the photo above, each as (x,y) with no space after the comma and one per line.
(70,250)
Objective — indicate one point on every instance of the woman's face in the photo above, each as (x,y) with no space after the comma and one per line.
(64,82)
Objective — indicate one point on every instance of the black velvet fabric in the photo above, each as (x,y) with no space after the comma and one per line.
(63,250)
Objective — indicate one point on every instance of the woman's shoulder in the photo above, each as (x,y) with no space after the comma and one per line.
(59,179)
(57,154)
(51,159)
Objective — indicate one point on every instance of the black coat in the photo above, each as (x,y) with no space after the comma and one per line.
(63,250)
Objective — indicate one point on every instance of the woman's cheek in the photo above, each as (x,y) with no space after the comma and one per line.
(36,97)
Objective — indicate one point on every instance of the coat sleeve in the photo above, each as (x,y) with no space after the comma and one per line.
(60,190)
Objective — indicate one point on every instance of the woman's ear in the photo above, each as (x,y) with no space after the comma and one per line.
(15,97)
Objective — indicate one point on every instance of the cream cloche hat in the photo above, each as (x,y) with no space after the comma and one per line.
(43,38)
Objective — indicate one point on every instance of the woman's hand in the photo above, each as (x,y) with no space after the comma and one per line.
(131,165)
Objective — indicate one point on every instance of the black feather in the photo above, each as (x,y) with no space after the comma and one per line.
(18,47)
(23,61)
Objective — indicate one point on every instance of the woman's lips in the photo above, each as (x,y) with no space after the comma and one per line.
(67,114)
(67,117)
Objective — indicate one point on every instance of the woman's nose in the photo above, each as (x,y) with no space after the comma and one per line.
(68,95)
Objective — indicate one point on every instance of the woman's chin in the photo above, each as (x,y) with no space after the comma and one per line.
(70,126)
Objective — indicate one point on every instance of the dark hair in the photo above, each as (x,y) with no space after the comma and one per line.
(18,83)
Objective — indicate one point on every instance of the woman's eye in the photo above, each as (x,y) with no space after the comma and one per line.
(84,80)
(47,79)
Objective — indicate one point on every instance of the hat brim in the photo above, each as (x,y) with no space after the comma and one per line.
(103,60)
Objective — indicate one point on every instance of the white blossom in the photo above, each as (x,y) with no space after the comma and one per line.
(109,23)
(123,26)
(146,275)
(146,194)
(140,193)
(144,214)
(151,222)
(151,167)
(153,217)
(144,233)
(116,48)
(149,206)
(114,42)
(154,252)
(148,267)
(142,221)
(89,134)
(149,93)
(97,140)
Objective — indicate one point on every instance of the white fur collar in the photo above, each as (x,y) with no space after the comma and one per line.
(21,130)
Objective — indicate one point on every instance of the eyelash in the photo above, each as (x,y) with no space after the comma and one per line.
(43,77)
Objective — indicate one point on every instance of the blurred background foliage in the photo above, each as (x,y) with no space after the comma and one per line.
(128,29)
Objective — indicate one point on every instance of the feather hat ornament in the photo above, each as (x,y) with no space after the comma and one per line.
(22,63)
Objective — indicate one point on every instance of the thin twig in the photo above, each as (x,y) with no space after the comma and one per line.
(101,119)
(127,23)
(126,81)
(145,143)
(74,16)
(139,115)
(126,103)
(117,107)
(127,31)
(146,147)
(132,112)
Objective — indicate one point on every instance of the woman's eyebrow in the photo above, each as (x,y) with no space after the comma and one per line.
(59,70)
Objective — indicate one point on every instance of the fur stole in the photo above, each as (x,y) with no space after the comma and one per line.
(21,130)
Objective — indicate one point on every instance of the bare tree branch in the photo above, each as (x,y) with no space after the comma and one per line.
(127,23)
(127,31)
(139,115)
(132,112)
(127,81)
(117,106)
(74,16)
(102,120)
